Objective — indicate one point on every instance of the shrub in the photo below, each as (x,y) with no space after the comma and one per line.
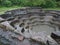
(15,2)
(6,3)
(38,3)
(41,3)
(50,3)
(58,4)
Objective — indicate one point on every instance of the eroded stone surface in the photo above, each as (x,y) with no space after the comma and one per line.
(29,20)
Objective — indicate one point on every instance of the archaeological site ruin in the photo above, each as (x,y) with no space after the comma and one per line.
(30,26)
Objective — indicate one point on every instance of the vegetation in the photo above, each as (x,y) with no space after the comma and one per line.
(14,4)
(41,3)
(4,9)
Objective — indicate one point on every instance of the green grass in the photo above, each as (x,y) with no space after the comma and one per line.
(52,9)
(4,9)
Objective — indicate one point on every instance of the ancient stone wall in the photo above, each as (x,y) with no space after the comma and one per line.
(34,18)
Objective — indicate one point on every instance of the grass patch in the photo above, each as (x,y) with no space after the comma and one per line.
(52,9)
(4,9)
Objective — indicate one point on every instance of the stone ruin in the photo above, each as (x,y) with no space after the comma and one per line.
(40,23)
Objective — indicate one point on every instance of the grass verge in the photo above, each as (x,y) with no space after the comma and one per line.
(4,9)
(52,9)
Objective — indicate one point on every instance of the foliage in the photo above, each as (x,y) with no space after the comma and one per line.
(41,3)
(6,3)
(58,4)
(50,3)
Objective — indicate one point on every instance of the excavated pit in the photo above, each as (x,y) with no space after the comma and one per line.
(37,19)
